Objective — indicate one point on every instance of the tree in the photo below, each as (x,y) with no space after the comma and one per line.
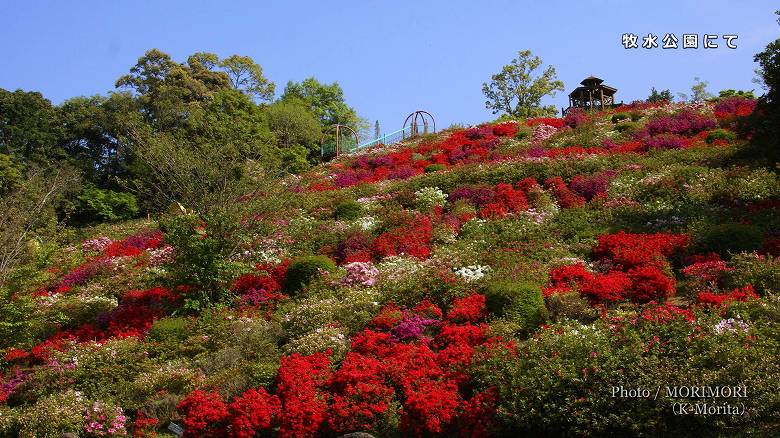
(29,127)
(293,123)
(168,92)
(663,96)
(28,211)
(699,91)
(518,92)
(92,136)
(769,69)
(205,164)
(723,94)
(767,121)
(325,101)
(247,76)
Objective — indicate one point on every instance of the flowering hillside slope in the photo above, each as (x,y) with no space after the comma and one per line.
(496,280)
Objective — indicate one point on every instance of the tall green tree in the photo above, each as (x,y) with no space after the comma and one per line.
(297,132)
(769,70)
(93,138)
(767,137)
(30,127)
(518,91)
(168,92)
(662,96)
(326,101)
(699,92)
(247,76)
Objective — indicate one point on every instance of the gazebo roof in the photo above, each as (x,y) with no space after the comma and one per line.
(591,79)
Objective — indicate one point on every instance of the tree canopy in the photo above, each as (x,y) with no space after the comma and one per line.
(518,91)
(662,96)
(326,101)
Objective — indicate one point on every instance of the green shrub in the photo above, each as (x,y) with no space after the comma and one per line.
(351,309)
(434,168)
(107,372)
(571,306)
(762,272)
(519,302)
(99,205)
(49,417)
(636,116)
(626,127)
(203,248)
(721,134)
(348,210)
(302,271)
(294,158)
(756,185)
(323,338)
(522,134)
(170,329)
(619,117)
(730,238)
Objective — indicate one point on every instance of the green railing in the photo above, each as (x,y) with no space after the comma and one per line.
(348,145)
(390,138)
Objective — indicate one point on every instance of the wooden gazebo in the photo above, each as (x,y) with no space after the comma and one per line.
(592,94)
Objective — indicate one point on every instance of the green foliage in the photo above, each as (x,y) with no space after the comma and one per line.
(351,308)
(29,213)
(49,417)
(763,272)
(10,174)
(571,306)
(699,91)
(15,320)
(626,127)
(203,247)
(730,238)
(203,176)
(98,205)
(619,117)
(662,96)
(107,373)
(170,330)
(519,302)
(295,158)
(434,168)
(516,91)
(247,76)
(769,69)
(94,136)
(326,101)
(571,367)
(30,127)
(348,210)
(724,94)
(305,269)
(721,134)
(293,123)
(766,141)
(523,133)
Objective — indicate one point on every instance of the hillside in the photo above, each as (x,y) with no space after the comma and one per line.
(543,276)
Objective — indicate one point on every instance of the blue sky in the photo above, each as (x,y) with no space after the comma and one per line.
(389,57)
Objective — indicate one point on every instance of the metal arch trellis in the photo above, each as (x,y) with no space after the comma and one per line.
(416,118)
(341,132)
